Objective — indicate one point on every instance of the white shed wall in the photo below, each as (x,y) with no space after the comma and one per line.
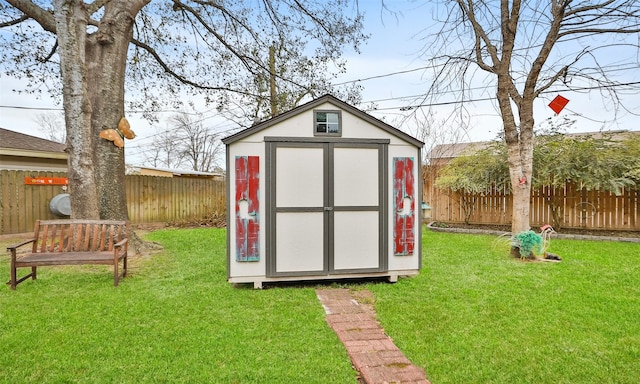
(248,147)
(301,125)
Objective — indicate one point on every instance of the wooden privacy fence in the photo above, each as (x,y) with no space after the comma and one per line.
(150,199)
(568,207)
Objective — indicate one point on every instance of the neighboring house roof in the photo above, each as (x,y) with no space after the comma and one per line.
(24,152)
(621,134)
(450,151)
(170,172)
(17,140)
(315,103)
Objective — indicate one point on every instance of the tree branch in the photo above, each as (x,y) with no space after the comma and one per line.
(50,55)
(480,36)
(223,10)
(14,22)
(597,31)
(579,10)
(95,6)
(604,16)
(249,62)
(558,12)
(181,78)
(313,17)
(43,16)
(243,58)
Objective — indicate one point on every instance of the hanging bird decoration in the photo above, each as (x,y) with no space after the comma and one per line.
(558,104)
(118,134)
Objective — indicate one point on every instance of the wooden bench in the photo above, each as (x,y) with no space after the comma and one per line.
(73,242)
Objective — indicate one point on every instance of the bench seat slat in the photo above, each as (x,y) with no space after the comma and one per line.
(42,259)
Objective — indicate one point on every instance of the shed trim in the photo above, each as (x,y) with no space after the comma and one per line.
(272,210)
(324,139)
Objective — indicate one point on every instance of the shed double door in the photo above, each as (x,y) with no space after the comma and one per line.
(326,211)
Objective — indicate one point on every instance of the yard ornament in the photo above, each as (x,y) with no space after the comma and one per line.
(119,134)
(558,104)
(546,231)
(112,135)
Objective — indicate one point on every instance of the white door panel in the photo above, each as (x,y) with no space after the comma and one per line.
(356,240)
(300,242)
(355,177)
(299,180)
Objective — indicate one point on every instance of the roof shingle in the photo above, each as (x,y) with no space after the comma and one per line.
(15,140)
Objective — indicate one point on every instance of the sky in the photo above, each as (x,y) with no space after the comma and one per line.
(395,47)
(389,69)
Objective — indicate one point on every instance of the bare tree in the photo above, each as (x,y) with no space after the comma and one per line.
(439,143)
(196,144)
(523,48)
(171,50)
(291,79)
(52,125)
(163,152)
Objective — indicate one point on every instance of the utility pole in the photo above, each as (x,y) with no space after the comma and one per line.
(273,91)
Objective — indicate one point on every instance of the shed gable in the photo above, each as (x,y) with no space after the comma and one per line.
(302,122)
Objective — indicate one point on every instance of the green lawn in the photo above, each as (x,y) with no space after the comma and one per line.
(175,319)
(473,315)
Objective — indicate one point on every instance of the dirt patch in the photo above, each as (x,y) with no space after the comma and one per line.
(565,231)
(215,220)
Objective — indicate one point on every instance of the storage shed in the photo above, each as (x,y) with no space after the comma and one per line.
(324,191)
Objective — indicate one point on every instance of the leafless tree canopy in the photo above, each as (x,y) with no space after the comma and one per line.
(52,125)
(168,51)
(514,50)
(537,44)
(185,48)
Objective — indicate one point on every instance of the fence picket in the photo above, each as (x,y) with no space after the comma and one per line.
(150,199)
(576,208)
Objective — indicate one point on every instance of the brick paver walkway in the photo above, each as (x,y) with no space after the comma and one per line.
(372,352)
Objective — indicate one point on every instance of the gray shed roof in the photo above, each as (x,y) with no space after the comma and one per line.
(315,103)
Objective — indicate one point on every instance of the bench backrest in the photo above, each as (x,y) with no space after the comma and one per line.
(78,235)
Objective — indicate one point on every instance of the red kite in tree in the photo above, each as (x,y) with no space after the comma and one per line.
(558,104)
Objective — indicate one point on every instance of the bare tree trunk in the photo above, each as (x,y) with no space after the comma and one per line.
(519,140)
(106,63)
(93,74)
(71,24)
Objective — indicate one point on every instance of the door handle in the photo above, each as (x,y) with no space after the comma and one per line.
(328,208)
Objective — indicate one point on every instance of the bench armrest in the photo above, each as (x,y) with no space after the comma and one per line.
(121,243)
(12,248)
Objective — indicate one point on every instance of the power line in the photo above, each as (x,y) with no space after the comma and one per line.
(410,107)
(368,101)
(31,108)
(629,67)
(619,69)
(387,75)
